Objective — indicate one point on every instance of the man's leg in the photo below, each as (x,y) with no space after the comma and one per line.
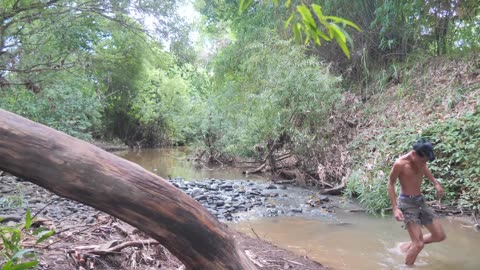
(436,235)
(404,246)
(436,232)
(416,245)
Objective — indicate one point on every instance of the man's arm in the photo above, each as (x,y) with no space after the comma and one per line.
(391,191)
(391,185)
(435,182)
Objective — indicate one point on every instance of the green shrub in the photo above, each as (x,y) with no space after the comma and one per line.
(62,107)
(457,145)
(370,189)
(457,166)
(13,255)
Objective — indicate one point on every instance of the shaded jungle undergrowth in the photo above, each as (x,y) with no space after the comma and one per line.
(437,99)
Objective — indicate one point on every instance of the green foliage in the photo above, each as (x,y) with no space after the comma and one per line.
(262,88)
(14,256)
(370,188)
(148,99)
(162,101)
(313,25)
(70,64)
(41,36)
(457,165)
(11,202)
(71,107)
(400,27)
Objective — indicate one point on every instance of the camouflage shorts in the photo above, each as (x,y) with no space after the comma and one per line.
(415,209)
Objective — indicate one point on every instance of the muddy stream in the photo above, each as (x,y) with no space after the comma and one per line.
(331,235)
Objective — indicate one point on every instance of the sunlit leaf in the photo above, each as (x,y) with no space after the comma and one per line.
(28,219)
(307,16)
(344,21)
(318,11)
(24,266)
(297,32)
(244,5)
(44,235)
(21,253)
(287,3)
(338,32)
(287,22)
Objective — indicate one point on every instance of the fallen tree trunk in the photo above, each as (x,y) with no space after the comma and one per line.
(82,172)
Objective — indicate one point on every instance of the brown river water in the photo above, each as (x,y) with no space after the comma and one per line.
(353,241)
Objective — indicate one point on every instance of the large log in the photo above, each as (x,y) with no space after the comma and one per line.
(85,173)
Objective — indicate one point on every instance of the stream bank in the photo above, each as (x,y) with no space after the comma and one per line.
(90,239)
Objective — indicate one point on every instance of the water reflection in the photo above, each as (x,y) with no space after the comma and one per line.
(172,162)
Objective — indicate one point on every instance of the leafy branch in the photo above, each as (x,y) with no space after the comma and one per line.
(308,23)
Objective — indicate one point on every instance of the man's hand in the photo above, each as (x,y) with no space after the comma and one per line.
(398,214)
(440,192)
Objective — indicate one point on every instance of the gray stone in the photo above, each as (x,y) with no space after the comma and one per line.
(34,200)
(201,197)
(90,220)
(324,198)
(226,185)
(273,212)
(196,192)
(11,223)
(271,186)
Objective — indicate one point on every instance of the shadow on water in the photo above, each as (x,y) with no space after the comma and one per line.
(347,241)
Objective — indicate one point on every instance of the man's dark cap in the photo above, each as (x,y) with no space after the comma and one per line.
(424,148)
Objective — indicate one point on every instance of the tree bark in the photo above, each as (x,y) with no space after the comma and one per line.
(85,173)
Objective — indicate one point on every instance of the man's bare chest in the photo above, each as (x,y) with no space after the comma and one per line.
(411,174)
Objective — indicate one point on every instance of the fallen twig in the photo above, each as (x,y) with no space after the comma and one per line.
(252,257)
(65,238)
(254,232)
(294,262)
(43,208)
(98,250)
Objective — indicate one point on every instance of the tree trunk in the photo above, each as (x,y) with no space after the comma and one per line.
(82,172)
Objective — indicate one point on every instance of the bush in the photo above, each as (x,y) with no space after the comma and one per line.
(65,108)
(457,166)
(371,190)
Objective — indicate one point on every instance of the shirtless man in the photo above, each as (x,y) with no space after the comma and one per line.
(411,208)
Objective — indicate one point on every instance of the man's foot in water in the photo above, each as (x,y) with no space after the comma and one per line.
(404,246)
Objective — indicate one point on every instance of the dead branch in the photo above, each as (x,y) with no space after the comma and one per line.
(257,170)
(100,250)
